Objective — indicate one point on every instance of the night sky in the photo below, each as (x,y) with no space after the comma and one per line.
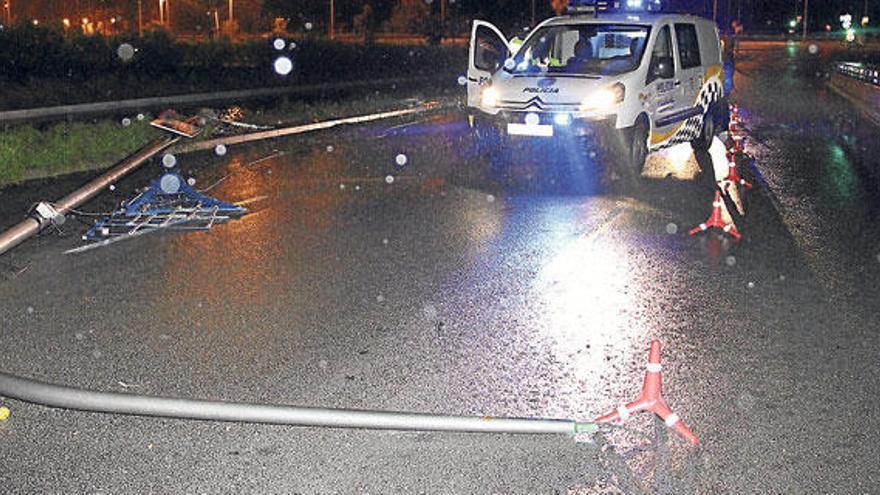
(757,15)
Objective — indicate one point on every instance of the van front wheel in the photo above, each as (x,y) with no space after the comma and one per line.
(638,149)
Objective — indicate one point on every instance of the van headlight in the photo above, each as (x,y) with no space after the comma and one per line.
(489,96)
(604,99)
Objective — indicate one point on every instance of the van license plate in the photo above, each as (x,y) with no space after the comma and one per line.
(530,130)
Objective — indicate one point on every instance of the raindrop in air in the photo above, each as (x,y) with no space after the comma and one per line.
(342,186)
(283,66)
(462,80)
(751,285)
(308,26)
(125,52)
(509,63)
(191,181)
(430,311)
(279,44)
(730,260)
(813,49)
(220,149)
(169,160)
(490,198)
(126,122)
(389,179)
(141,116)
(291,46)
(400,159)
(30,310)
(112,187)
(329,148)
(671,228)
(385,241)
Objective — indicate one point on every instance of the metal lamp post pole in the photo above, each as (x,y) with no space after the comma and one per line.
(806,4)
(331,28)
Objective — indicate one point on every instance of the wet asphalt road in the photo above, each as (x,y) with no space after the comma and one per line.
(509,284)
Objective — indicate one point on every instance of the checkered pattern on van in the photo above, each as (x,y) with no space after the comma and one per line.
(709,93)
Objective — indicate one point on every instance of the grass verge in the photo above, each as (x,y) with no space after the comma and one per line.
(28,151)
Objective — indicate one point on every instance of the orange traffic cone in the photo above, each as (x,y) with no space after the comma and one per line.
(651,399)
(715,220)
(732,175)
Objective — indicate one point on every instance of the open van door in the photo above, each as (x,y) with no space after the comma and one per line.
(488,51)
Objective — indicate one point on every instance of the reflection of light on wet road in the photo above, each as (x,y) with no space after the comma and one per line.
(840,174)
(676,161)
(589,298)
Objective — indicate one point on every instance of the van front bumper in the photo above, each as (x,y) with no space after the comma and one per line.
(519,124)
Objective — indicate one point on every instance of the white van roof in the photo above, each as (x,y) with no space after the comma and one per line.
(642,19)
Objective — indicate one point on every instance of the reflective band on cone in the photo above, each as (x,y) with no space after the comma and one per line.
(651,399)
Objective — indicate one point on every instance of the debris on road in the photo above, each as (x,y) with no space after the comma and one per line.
(169,203)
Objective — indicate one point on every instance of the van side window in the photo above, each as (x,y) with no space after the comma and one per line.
(688,46)
(662,51)
(489,50)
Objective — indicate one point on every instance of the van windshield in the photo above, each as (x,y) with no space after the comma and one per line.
(592,49)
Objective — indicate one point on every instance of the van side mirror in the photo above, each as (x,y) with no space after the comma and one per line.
(662,68)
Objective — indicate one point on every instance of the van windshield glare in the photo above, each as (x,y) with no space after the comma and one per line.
(592,49)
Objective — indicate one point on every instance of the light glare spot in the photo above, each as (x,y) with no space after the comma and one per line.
(329,148)
(490,198)
(279,44)
(125,52)
(126,122)
(169,160)
(813,49)
(220,149)
(462,80)
(671,228)
(400,159)
(730,260)
(389,179)
(283,66)
(308,26)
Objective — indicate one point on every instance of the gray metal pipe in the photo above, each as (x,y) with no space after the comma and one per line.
(47,394)
(35,223)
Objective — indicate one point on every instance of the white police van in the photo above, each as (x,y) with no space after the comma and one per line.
(653,79)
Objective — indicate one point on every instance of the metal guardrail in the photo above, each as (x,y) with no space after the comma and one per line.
(863,72)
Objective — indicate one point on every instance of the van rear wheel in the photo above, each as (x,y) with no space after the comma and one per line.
(707,133)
